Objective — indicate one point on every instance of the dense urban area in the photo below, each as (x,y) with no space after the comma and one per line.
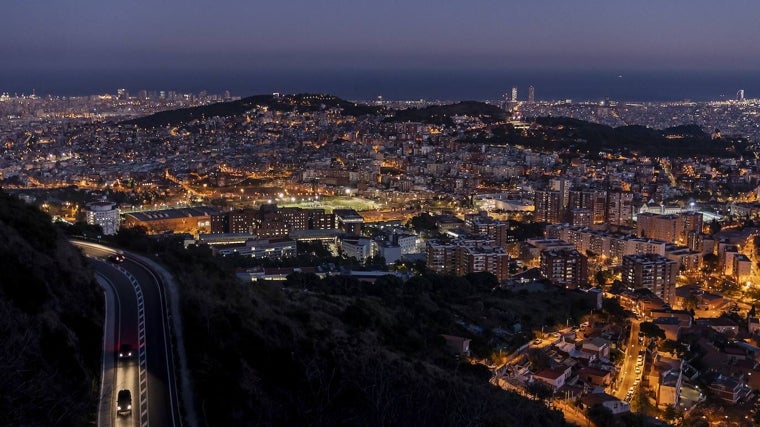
(611,250)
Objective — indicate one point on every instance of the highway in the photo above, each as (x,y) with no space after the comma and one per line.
(138,308)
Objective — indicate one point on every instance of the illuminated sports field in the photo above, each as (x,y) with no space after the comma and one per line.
(330,203)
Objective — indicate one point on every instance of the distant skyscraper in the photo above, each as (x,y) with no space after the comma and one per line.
(739,95)
(514,93)
(122,94)
(531,94)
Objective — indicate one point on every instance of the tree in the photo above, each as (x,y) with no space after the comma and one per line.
(483,280)
(710,262)
(538,359)
(423,222)
(714,226)
(301,280)
(600,415)
(691,302)
(670,413)
(651,330)
(602,277)
(540,390)
(613,308)
(81,228)
(668,346)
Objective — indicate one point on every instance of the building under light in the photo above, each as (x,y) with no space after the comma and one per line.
(105,214)
(651,271)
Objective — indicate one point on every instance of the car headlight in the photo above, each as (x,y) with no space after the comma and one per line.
(118,407)
(129,406)
(121,354)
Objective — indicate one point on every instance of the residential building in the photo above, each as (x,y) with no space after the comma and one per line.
(361,249)
(653,272)
(565,267)
(462,257)
(548,207)
(620,208)
(727,389)
(105,214)
(555,377)
(349,221)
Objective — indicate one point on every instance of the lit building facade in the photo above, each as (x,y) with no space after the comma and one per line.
(651,271)
(564,267)
(104,214)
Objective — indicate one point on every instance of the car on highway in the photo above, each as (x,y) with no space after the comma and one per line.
(637,370)
(125,351)
(537,341)
(124,402)
(117,258)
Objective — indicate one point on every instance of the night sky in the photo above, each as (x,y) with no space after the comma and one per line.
(390,34)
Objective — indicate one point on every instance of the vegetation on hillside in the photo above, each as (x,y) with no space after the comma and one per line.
(299,102)
(442,114)
(335,351)
(51,314)
(562,133)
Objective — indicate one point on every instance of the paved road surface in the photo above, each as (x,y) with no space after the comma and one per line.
(141,321)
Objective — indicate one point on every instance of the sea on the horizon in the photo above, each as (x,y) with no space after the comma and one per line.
(359,84)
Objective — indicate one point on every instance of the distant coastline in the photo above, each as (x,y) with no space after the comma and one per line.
(454,85)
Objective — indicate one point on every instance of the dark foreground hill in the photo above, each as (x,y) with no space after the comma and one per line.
(298,102)
(336,352)
(50,323)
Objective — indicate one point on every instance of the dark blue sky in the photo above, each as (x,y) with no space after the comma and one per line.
(389,34)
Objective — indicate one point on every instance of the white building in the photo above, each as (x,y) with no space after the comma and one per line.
(361,249)
(105,214)
(408,243)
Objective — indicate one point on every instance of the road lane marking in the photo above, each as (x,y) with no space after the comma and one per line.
(142,344)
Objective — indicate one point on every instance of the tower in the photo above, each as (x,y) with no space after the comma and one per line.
(531,94)
(548,207)
(514,93)
(740,95)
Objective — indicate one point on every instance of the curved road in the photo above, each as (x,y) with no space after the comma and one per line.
(140,319)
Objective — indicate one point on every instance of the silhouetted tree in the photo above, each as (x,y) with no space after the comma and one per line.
(651,330)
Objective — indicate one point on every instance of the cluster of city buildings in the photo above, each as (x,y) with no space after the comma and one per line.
(728,117)
(645,224)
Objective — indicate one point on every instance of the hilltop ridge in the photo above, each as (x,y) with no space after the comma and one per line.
(298,102)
